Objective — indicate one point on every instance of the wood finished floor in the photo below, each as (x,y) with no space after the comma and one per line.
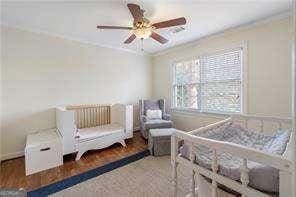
(13,171)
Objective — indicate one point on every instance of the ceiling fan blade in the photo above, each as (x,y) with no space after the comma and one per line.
(113,27)
(130,39)
(158,38)
(170,23)
(136,11)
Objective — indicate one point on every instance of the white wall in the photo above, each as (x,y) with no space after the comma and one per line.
(40,72)
(268,69)
(0,99)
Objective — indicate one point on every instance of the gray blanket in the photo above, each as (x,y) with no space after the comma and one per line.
(262,177)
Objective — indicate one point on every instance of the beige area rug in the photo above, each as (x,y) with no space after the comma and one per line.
(150,176)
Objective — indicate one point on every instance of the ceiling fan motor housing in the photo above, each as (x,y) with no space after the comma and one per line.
(144,22)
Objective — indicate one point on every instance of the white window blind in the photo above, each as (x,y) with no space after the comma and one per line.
(211,83)
(186,84)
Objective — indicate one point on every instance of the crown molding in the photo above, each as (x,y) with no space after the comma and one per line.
(262,21)
(75,39)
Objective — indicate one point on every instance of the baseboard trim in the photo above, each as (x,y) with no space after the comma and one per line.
(12,155)
(17,154)
(74,180)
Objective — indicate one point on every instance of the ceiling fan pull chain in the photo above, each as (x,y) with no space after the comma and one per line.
(142,44)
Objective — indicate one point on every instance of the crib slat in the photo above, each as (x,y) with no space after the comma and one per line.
(261,126)
(105,115)
(215,170)
(76,118)
(84,118)
(78,124)
(79,119)
(98,116)
(94,117)
(91,115)
(101,114)
(87,117)
(280,125)
(192,159)
(244,175)
(174,148)
(109,115)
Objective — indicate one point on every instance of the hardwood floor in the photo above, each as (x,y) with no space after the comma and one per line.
(13,171)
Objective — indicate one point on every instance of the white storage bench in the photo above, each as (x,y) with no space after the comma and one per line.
(43,150)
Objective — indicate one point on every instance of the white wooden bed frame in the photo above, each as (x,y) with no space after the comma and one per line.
(71,118)
(200,187)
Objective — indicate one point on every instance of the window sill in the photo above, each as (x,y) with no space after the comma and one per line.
(191,111)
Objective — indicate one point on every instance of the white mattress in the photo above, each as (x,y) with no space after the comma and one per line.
(90,133)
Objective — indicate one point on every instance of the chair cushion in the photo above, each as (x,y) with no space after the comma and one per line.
(157,123)
(164,132)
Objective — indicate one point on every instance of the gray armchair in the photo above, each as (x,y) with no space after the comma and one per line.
(146,124)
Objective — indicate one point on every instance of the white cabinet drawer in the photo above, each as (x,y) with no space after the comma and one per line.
(44,155)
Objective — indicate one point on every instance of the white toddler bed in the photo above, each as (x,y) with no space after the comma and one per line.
(89,127)
(207,158)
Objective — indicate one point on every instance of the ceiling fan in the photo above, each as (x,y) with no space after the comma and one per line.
(143,28)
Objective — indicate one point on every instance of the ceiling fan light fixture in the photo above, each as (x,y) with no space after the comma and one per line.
(143,33)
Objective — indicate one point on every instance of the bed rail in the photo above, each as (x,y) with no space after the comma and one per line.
(91,115)
(282,163)
(263,121)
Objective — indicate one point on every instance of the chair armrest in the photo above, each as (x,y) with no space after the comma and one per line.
(143,118)
(166,116)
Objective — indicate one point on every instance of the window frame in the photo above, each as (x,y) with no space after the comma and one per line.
(244,82)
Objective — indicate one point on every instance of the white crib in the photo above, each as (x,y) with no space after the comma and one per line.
(202,188)
(88,127)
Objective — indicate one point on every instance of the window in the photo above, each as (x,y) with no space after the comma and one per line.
(211,83)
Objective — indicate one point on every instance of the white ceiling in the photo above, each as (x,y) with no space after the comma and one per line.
(78,20)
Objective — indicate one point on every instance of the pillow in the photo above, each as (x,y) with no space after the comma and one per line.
(153,114)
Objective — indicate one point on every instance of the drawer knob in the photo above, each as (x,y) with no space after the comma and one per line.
(44,149)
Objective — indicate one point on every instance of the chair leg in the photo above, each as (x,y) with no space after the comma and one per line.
(175,179)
